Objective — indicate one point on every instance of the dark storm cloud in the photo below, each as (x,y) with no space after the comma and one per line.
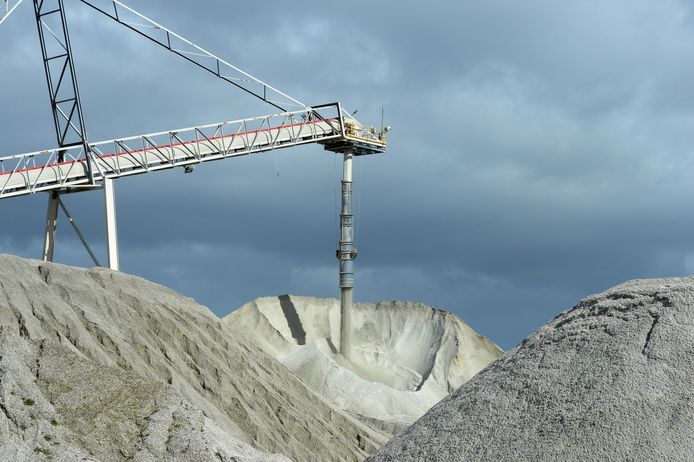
(541,150)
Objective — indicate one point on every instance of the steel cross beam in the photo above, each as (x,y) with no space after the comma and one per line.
(7,7)
(191,52)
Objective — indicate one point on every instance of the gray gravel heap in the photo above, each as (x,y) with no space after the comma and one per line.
(99,365)
(610,380)
(58,406)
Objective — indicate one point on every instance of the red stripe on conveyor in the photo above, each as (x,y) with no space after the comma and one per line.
(163,146)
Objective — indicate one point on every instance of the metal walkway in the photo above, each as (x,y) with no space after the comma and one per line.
(64,168)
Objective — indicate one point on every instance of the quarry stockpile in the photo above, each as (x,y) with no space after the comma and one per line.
(405,357)
(58,406)
(610,380)
(99,365)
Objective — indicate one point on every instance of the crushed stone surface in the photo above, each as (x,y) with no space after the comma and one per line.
(610,380)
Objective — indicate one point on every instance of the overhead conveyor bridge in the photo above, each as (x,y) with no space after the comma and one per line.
(63,168)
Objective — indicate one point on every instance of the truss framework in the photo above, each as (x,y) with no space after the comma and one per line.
(60,72)
(61,168)
(62,78)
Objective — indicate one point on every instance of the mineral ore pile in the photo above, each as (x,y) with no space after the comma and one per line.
(97,365)
(405,357)
(610,380)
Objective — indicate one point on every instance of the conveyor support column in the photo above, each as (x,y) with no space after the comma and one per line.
(346,254)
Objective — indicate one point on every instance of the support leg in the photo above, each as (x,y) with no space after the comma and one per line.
(346,254)
(111,229)
(51,226)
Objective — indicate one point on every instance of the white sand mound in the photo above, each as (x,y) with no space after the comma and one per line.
(406,357)
(128,369)
(610,380)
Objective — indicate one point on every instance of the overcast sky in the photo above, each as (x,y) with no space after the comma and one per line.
(541,151)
